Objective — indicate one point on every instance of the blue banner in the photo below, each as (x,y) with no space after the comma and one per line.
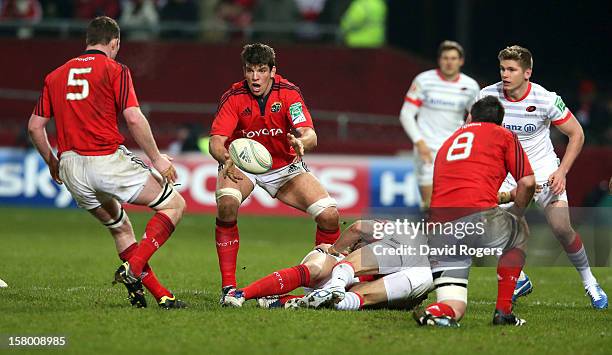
(25,180)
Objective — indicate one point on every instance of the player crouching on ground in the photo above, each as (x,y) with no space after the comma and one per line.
(469,169)
(344,283)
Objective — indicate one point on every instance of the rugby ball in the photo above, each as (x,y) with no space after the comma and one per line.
(250,156)
(3,284)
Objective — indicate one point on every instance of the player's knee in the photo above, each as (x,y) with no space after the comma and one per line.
(563,232)
(321,207)
(329,218)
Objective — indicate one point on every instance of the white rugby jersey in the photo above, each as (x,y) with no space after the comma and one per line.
(442,104)
(530,118)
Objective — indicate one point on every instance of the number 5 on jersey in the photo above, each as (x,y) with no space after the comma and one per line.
(461,147)
(78,82)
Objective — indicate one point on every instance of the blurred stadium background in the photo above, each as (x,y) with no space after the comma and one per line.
(184,54)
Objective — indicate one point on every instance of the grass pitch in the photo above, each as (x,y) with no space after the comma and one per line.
(59,265)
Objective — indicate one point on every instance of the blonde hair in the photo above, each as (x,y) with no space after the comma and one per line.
(521,54)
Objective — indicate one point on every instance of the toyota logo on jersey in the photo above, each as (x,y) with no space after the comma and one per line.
(262,132)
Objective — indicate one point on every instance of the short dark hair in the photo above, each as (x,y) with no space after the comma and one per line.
(488,109)
(102,30)
(258,53)
(448,45)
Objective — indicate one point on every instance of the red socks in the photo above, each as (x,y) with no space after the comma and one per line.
(326,236)
(440,309)
(149,279)
(158,230)
(278,282)
(228,242)
(575,246)
(509,268)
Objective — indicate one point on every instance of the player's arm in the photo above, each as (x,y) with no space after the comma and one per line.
(141,132)
(127,103)
(216,148)
(410,108)
(38,136)
(573,130)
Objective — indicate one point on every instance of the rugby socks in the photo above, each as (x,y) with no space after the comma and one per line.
(440,309)
(228,242)
(149,280)
(157,232)
(577,255)
(343,275)
(278,282)
(352,301)
(326,236)
(509,268)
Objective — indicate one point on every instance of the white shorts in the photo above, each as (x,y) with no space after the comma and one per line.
(544,197)
(92,180)
(408,285)
(424,172)
(273,180)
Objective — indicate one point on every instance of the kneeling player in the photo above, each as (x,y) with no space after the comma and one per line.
(469,168)
(398,286)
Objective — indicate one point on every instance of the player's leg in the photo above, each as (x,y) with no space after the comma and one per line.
(114,217)
(557,215)
(344,274)
(450,284)
(306,193)
(424,174)
(229,195)
(524,286)
(169,206)
(404,289)
(315,267)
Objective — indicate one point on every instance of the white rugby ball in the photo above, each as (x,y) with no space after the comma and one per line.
(250,156)
(3,284)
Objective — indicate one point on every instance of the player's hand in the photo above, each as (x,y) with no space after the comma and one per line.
(539,188)
(297,145)
(229,169)
(424,152)
(163,164)
(327,248)
(54,169)
(556,181)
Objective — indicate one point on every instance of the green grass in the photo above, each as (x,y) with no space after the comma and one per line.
(59,266)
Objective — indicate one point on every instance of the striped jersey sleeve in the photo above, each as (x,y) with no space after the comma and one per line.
(43,107)
(415,94)
(557,112)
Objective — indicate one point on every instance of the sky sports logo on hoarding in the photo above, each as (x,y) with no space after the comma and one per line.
(25,179)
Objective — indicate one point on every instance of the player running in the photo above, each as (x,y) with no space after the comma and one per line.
(271,110)
(530,109)
(440,98)
(85,96)
(398,283)
(470,167)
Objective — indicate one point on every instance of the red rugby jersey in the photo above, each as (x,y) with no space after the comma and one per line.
(85,96)
(240,115)
(472,164)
